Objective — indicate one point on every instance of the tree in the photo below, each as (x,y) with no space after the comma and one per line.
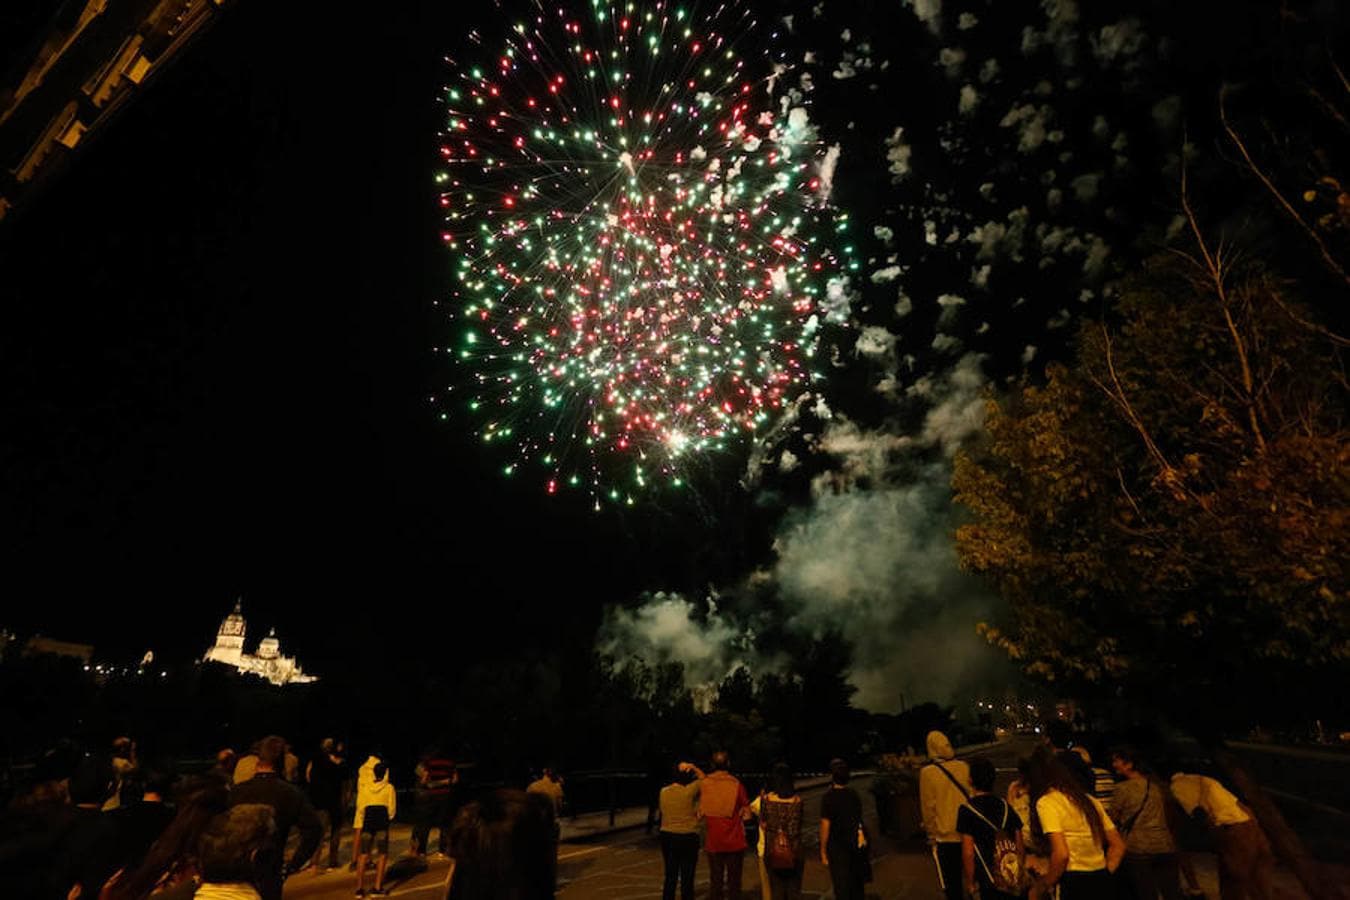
(1169,516)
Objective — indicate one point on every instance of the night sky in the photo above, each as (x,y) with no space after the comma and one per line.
(216,365)
(216,352)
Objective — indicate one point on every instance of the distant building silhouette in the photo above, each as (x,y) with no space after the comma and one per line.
(266,663)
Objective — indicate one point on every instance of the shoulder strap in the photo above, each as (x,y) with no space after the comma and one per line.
(952,778)
(983,818)
(1148,786)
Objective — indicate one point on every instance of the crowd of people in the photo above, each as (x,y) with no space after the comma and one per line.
(1064,828)
(108,827)
(1070,829)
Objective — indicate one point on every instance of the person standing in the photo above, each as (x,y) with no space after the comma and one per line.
(123,764)
(224,767)
(291,810)
(139,823)
(1139,807)
(679,832)
(246,765)
(944,784)
(1103,784)
(780,837)
(87,849)
(1246,864)
(549,784)
(502,847)
(226,852)
(1059,737)
(1085,848)
(324,775)
(724,806)
(549,788)
(436,777)
(376,804)
(988,827)
(843,848)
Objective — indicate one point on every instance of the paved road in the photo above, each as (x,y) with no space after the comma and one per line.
(629,866)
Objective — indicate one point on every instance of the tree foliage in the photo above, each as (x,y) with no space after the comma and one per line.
(1170,513)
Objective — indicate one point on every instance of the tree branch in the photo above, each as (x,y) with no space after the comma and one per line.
(1275,192)
(1214,262)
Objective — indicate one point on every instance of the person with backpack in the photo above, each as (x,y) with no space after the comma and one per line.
(780,837)
(944,785)
(1139,807)
(992,853)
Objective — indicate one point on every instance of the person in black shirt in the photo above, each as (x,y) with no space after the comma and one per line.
(325,792)
(291,810)
(142,815)
(840,825)
(87,852)
(979,822)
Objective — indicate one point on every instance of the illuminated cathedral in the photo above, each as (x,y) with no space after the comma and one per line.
(266,663)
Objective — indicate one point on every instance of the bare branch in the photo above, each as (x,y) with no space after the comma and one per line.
(1310,325)
(1169,474)
(1345,82)
(1275,192)
(1128,496)
(1214,262)
(1327,106)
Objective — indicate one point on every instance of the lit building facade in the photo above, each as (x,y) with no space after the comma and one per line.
(267,663)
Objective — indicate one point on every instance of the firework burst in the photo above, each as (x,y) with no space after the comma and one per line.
(644,250)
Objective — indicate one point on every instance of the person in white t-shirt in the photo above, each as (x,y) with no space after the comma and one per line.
(1085,848)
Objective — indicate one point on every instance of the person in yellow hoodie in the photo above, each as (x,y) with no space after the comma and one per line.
(376,803)
(944,785)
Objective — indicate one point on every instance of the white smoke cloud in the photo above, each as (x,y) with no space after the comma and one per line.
(667,628)
(898,153)
(827,168)
(951,59)
(970,98)
(870,558)
(875,342)
(903,304)
(928,12)
(839,297)
(957,413)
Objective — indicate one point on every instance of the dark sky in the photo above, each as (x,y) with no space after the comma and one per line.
(216,357)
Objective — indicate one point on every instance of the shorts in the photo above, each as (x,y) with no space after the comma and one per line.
(369,841)
(375,827)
